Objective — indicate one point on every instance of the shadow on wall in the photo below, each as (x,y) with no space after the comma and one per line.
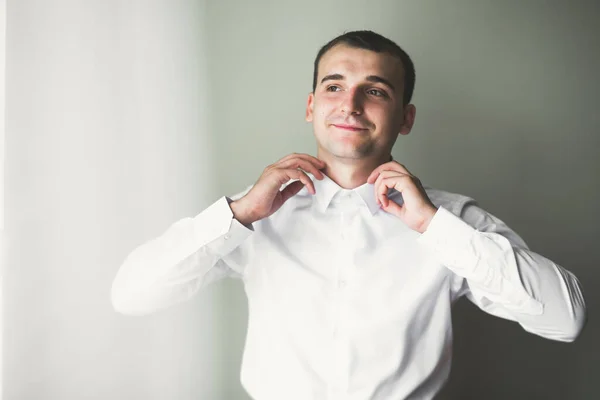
(496,359)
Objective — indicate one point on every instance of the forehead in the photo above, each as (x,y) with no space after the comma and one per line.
(355,63)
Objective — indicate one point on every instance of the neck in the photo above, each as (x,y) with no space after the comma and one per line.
(350,173)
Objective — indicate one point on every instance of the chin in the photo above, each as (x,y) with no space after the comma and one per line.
(345,148)
(349,153)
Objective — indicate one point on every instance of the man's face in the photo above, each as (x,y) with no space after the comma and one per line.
(356,108)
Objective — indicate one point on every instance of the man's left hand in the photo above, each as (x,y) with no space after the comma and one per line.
(417,210)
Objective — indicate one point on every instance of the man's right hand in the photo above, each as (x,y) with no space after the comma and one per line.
(265,197)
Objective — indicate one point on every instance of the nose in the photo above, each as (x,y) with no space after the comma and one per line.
(352,102)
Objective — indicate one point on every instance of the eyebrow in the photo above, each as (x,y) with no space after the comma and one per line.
(370,78)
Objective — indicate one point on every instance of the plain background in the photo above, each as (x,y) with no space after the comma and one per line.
(124,116)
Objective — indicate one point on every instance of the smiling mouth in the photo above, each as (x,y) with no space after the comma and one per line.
(350,128)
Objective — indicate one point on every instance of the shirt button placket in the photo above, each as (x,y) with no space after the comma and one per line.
(339,365)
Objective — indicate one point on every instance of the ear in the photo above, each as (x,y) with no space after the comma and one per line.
(309,107)
(409,119)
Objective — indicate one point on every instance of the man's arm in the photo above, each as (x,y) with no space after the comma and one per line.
(189,255)
(503,277)
(171,268)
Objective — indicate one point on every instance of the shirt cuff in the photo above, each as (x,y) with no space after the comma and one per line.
(227,232)
(449,236)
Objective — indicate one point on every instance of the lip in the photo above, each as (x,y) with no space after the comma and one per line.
(352,128)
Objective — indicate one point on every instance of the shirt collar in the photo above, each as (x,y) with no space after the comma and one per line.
(326,189)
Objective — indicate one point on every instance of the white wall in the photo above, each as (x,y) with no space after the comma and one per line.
(108,106)
(107,144)
(2,107)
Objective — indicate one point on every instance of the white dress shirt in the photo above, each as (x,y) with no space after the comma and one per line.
(345,301)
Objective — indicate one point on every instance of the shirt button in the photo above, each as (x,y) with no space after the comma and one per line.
(342,284)
(227,237)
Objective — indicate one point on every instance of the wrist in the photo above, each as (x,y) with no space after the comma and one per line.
(428,216)
(241,212)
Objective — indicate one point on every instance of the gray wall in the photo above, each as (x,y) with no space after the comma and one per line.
(125,116)
(506,97)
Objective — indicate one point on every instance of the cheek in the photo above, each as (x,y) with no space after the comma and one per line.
(387,118)
(324,110)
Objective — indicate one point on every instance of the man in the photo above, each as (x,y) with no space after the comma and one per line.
(349,263)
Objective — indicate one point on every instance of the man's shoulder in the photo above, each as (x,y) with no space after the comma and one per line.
(451,201)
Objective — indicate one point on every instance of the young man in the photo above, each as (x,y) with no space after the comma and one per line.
(351,269)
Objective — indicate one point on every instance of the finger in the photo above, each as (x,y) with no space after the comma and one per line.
(291,190)
(306,165)
(382,191)
(407,181)
(385,181)
(394,209)
(388,166)
(300,175)
(318,163)
(304,161)
(401,168)
(375,173)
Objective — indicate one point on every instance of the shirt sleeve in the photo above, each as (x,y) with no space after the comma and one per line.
(172,267)
(503,277)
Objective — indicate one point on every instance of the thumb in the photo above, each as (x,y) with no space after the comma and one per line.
(291,190)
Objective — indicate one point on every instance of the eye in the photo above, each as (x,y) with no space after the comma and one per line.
(333,88)
(377,92)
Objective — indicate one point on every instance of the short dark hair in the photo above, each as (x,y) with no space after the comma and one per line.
(370,40)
